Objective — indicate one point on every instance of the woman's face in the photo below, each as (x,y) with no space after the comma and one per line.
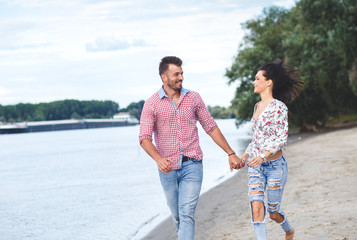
(260,83)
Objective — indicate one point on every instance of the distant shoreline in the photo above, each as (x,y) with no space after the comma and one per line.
(60,125)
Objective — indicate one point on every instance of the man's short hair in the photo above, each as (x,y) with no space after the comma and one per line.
(164,64)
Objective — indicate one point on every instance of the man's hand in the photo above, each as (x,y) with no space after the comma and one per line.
(234,162)
(164,165)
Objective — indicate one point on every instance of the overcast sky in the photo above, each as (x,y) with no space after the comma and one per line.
(110,50)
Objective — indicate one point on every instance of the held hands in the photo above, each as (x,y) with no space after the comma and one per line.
(244,159)
(235,162)
(164,165)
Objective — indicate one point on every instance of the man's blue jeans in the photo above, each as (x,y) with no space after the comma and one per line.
(182,188)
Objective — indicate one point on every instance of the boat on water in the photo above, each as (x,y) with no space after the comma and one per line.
(125,117)
(13,128)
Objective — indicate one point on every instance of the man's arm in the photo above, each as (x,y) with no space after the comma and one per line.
(220,140)
(162,163)
(147,122)
(211,128)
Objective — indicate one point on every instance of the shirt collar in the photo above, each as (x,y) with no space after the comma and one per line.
(162,93)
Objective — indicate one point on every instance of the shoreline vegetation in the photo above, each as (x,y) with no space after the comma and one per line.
(317,207)
(85,111)
(70,109)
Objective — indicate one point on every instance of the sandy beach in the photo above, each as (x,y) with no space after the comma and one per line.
(320,197)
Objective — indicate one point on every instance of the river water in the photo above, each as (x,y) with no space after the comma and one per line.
(92,183)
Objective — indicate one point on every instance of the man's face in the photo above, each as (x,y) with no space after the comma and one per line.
(173,77)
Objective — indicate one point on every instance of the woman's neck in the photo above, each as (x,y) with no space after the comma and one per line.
(266,96)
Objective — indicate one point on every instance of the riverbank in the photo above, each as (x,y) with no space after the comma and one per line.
(319,198)
(60,125)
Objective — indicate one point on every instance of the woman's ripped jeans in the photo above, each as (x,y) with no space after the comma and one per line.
(270,178)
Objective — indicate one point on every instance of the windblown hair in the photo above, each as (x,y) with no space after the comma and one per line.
(286,84)
(164,64)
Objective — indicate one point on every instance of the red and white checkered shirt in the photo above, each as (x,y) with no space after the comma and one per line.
(174,127)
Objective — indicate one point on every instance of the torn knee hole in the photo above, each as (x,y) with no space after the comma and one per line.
(273,206)
(255,184)
(254,175)
(274,184)
(256,193)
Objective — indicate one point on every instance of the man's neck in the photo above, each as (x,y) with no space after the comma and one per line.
(171,93)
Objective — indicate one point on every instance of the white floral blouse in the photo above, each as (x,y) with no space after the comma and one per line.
(270,130)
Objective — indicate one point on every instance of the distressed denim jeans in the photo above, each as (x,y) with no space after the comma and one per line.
(182,188)
(269,177)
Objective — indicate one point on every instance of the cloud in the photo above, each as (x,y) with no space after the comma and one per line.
(113,44)
(17,46)
(24,79)
(284,3)
(4,91)
(51,49)
(35,3)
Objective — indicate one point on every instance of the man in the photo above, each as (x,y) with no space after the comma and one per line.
(171,114)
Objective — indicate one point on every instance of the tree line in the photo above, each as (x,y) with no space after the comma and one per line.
(134,109)
(219,112)
(75,109)
(318,37)
(58,110)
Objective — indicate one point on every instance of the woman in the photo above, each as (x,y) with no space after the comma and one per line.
(277,85)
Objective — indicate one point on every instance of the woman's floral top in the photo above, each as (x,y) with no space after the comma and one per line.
(270,130)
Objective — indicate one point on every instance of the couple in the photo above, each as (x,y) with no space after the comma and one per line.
(171,114)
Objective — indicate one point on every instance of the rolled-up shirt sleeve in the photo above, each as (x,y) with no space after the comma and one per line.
(278,140)
(249,150)
(204,117)
(147,120)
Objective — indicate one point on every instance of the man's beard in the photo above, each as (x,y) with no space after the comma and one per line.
(174,86)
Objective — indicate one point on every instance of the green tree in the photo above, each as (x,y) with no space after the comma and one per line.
(2,118)
(319,37)
(9,113)
(75,116)
(218,112)
(323,44)
(134,109)
(58,110)
(353,77)
(262,44)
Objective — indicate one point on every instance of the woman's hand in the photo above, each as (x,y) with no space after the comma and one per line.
(255,162)
(243,160)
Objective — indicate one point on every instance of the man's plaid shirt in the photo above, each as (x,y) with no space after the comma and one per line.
(174,127)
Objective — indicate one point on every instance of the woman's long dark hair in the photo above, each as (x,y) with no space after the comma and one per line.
(286,84)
